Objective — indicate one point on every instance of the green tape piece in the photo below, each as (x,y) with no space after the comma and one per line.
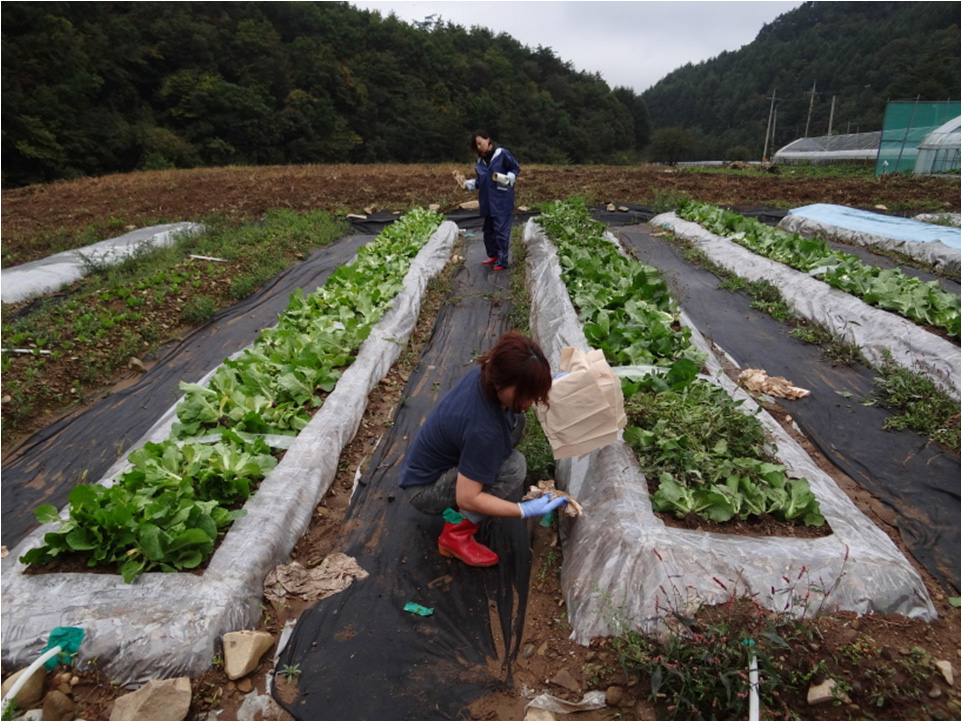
(418,609)
(450,515)
(547,519)
(68,639)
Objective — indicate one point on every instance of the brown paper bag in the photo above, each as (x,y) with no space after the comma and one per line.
(586,408)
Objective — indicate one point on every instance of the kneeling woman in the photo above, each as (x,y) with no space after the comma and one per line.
(463,465)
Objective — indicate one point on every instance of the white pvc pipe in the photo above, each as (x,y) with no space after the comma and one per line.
(28,673)
(753,689)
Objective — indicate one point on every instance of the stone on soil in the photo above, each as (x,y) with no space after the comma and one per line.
(32,689)
(243,651)
(58,706)
(159,699)
(825,692)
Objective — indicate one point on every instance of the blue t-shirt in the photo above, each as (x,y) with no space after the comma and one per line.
(465,430)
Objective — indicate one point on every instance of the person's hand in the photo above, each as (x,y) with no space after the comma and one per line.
(542,505)
(459,178)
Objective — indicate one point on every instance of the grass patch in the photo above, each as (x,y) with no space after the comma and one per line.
(125,309)
(917,403)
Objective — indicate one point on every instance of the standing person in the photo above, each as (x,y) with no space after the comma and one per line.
(463,465)
(496,171)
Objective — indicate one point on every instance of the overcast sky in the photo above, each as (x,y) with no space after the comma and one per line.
(633,43)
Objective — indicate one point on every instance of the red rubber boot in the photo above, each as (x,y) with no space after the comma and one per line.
(457,540)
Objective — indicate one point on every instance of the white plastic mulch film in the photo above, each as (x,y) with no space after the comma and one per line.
(50,274)
(166,625)
(936,245)
(875,332)
(623,567)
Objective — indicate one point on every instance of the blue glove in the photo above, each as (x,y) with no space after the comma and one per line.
(541,505)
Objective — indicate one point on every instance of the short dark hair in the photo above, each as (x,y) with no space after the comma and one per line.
(518,361)
(478,133)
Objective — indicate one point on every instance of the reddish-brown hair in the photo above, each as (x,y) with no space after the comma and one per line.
(516,361)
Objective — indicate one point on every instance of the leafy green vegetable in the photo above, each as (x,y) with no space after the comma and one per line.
(708,455)
(889,289)
(166,511)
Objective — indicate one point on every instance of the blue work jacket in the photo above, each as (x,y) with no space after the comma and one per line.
(495,199)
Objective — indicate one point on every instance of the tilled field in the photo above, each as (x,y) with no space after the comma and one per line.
(40,220)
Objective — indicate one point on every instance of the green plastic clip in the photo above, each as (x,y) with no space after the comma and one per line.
(418,609)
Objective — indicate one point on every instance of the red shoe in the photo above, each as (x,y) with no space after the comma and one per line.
(489,261)
(500,268)
(457,540)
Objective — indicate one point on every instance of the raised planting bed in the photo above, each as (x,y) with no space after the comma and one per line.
(624,566)
(877,333)
(170,624)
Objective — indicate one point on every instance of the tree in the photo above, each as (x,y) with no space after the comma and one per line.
(671,145)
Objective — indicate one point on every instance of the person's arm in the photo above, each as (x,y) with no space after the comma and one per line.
(512,167)
(471,496)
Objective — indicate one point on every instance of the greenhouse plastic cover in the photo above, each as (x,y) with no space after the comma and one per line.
(33,279)
(934,244)
(876,332)
(167,625)
(624,566)
(852,146)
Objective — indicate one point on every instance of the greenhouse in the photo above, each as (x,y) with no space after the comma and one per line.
(939,150)
(848,148)
(908,127)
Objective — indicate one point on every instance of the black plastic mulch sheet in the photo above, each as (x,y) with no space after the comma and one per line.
(83,446)
(360,654)
(917,480)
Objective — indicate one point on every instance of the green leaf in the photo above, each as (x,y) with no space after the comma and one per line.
(47,513)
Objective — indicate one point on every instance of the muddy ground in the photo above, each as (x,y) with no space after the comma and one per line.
(39,220)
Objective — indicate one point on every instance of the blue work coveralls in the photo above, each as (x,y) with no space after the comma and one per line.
(496,200)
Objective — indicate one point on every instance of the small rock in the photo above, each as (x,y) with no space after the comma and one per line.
(564,679)
(58,706)
(243,651)
(946,669)
(159,699)
(536,714)
(245,685)
(527,650)
(613,695)
(935,692)
(825,692)
(65,687)
(32,690)
(135,364)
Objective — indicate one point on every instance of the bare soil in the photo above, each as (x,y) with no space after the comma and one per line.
(36,220)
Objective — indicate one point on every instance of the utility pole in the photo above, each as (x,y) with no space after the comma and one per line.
(811,102)
(768,128)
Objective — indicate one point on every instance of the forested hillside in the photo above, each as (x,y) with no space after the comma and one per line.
(95,88)
(861,54)
(91,88)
